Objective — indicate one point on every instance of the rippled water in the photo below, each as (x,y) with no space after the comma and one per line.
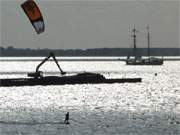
(150,107)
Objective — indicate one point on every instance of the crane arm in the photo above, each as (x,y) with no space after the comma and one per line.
(62,72)
(38,73)
(37,68)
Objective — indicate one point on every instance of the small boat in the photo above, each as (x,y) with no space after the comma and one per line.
(138,60)
(37,78)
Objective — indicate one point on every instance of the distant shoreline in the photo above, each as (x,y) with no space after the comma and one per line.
(95,52)
(6,59)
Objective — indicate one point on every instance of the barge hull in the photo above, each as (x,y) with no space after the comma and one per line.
(62,81)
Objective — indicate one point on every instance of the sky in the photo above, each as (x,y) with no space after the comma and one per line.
(82,24)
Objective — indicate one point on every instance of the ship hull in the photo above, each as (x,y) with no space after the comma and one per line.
(144,62)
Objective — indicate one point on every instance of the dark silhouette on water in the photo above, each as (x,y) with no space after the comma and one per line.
(37,78)
(38,73)
(66,121)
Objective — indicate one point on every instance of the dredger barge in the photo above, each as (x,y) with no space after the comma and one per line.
(37,78)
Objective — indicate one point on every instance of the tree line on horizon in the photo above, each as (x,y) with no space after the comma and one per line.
(11,51)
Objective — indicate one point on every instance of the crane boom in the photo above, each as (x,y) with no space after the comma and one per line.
(38,73)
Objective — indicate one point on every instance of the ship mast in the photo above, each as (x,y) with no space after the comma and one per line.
(148,38)
(134,41)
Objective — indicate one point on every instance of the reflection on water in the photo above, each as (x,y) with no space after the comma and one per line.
(150,107)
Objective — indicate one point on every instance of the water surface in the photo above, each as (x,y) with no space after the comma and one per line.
(150,107)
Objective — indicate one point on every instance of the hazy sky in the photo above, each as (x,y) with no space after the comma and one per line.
(91,24)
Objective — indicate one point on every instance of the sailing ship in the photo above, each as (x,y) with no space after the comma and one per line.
(137,59)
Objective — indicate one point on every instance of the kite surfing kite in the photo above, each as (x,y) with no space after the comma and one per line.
(34,14)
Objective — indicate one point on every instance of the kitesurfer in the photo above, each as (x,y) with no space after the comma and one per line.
(66,121)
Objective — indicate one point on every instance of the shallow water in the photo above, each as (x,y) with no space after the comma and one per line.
(150,107)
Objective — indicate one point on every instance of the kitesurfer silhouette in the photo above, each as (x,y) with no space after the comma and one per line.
(66,121)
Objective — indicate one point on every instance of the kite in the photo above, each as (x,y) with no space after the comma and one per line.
(34,14)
